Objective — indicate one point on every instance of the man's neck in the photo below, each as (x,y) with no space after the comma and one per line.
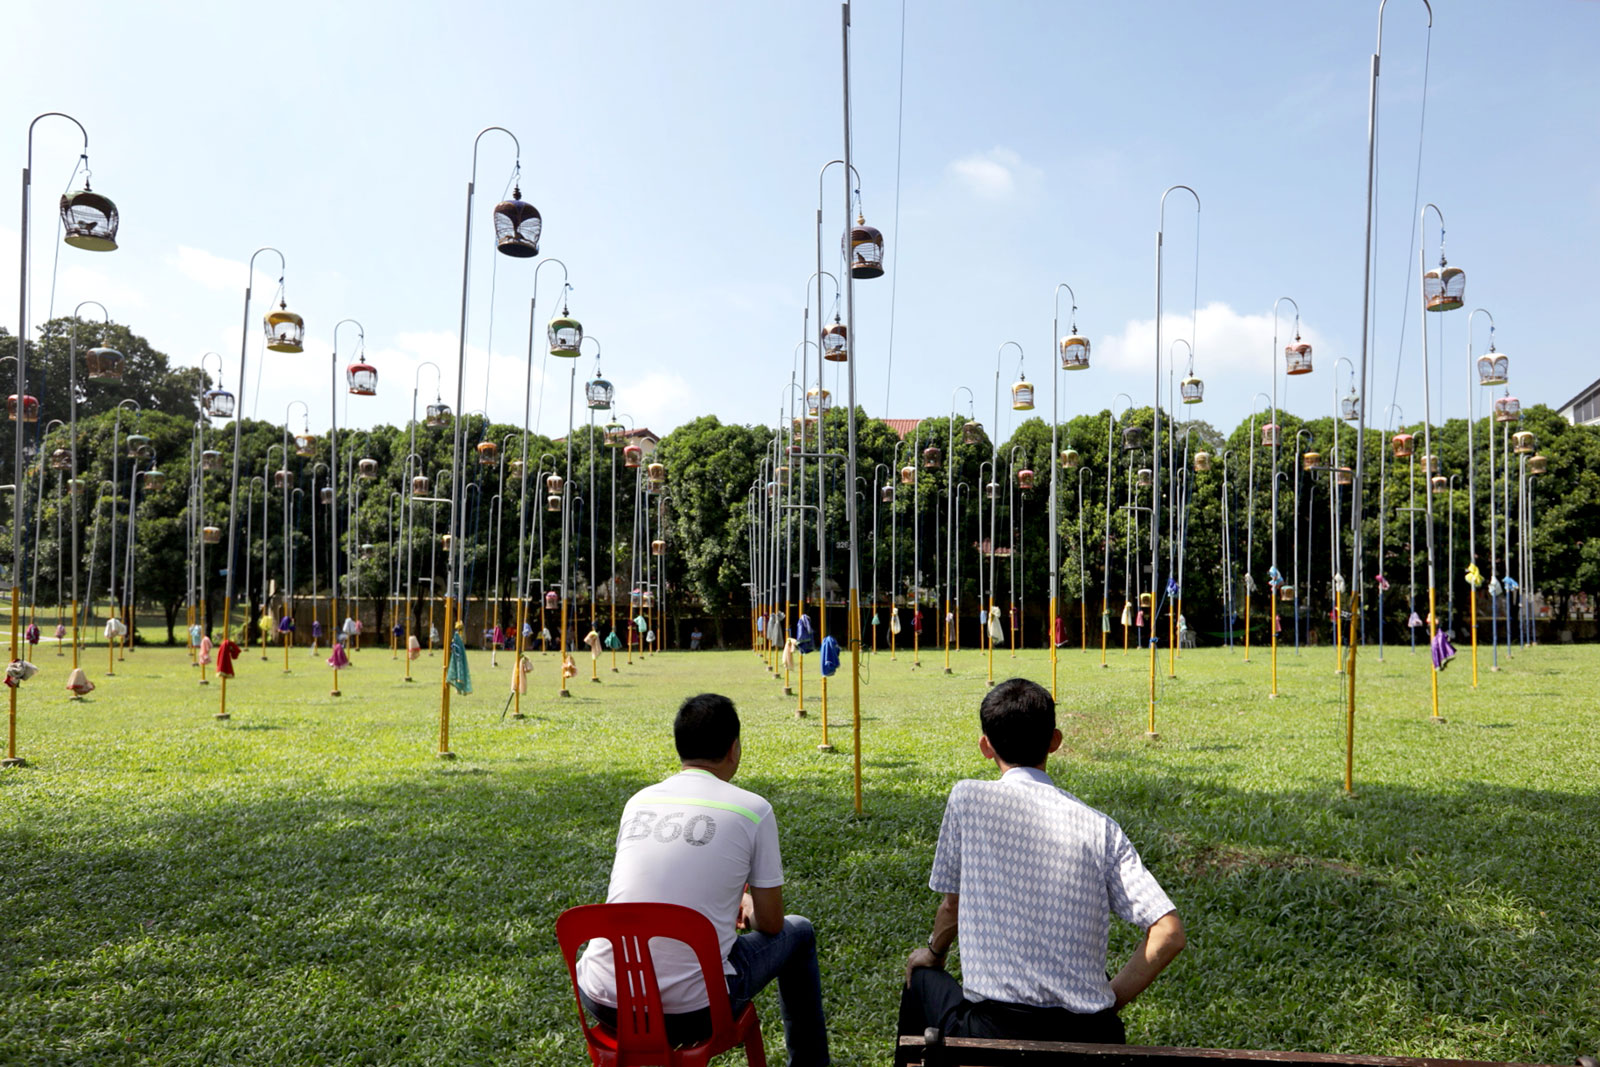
(718,770)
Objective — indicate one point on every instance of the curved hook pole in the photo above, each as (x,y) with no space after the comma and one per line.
(566,283)
(478,138)
(1384,3)
(1422,232)
(361,334)
(1472,315)
(1073,317)
(55,114)
(814,275)
(1129,399)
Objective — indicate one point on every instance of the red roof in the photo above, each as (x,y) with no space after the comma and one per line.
(902,426)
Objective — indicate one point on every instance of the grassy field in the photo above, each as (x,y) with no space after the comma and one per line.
(306,884)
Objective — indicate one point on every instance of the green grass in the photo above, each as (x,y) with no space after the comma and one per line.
(306,883)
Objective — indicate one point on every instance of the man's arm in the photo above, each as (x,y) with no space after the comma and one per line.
(943,936)
(1160,945)
(763,910)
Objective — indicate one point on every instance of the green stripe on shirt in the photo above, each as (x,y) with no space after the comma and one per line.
(720,805)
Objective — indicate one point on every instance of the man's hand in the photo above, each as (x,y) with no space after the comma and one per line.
(922,957)
(747,913)
(1161,943)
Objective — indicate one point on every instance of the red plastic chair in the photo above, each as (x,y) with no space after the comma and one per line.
(640,1037)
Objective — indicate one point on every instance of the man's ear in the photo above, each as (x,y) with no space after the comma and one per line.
(1055,740)
(735,750)
(986,748)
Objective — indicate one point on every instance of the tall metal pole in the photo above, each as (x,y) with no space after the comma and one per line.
(1472,484)
(72,407)
(1427,444)
(1277,440)
(1054,465)
(851,512)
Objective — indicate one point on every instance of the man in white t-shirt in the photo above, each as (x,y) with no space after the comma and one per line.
(1031,876)
(697,840)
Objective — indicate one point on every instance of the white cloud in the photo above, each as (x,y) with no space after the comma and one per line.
(661,400)
(996,175)
(211,271)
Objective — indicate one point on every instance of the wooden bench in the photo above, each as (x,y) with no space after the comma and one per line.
(933,1049)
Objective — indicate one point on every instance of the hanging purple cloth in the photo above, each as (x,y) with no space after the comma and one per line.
(1443,650)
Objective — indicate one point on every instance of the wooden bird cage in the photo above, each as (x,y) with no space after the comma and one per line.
(444,541)
(818,400)
(283,479)
(75,486)
(1297,358)
(1133,438)
(436,415)
(1191,390)
(1444,288)
(836,342)
(599,394)
(1310,460)
(1269,435)
(1286,593)
(1145,478)
(658,547)
(30,408)
(1344,476)
(514,469)
(992,490)
(89,221)
(1202,461)
(1440,483)
(552,503)
(1144,600)
(866,250)
(367,468)
(631,455)
(362,378)
(369,550)
(1430,464)
(908,475)
(211,460)
(1522,443)
(305,444)
(553,483)
(1025,479)
(886,494)
(1403,444)
(517,225)
(1074,353)
(211,535)
(419,485)
(139,446)
(1493,368)
(286,331)
(218,403)
(1022,395)
(488,453)
(932,456)
(103,364)
(61,460)
(565,335)
(1537,464)
(325,494)
(656,473)
(971,432)
(1070,460)
(1507,409)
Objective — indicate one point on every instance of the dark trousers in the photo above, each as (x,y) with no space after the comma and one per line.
(935,999)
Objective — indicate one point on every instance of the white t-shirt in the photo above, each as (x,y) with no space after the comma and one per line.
(695,840)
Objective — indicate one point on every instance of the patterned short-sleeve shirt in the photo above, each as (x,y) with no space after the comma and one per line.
(1039,875)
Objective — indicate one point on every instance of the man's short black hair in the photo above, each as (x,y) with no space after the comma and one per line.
(706,727)
(1019,719)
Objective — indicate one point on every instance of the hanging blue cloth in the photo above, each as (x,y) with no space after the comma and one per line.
(830,656)
(457,674)
(804,640)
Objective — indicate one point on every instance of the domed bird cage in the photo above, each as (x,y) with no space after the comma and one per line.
(1440,483)
(1537,464)
(1297,358)
(1507,409)
(1269,435)
(516,226)
(886,494)
(75,486)
(211,535)
(283,479)
(553,483)
(971,432)
(565,334)
(1133,437)
(1021,394)
(866,250)
(1286,593)
(551,601)
(437,414)
(599,393)
(1202,461)
(932,456)
(103,364)
(1429,464)
(1146,478)
(211,460)
(286,331)
(1309,460)
(30,408)
(1144,600)
(367,468)
(488,453)
(89,220)
(363,378)
(1493,368)
(1024,479)
(305,444)
(616,434)
(783,473)
(444,542)
(218,403)
(1070,460)
(992,490)
(552,503)
(1350,407)
(658,547)
(908,475)
(326,494)
(1404,445)
(139,445)
(368,550)
(818,400)
(1074,353)
(772,490)
(60,460)
(656,473)
(836,342)
(1191,390)
(631,456)
(1444,287)
(419,485)
(514,468)
(1344,476)
(1522,443)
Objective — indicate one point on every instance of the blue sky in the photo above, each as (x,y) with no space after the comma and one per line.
(673,151)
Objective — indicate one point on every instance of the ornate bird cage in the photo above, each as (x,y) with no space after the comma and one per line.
(419,485)
(286,331)
(1191,390)
(599,393)
(1021,394)
(658,547)
(886,494)
(218,403)
(368,550)
(1430,464)
(103,364)
(1297,358)
(514,469)
(1522,443)
(1074,352)
(631,455)
(283,479)
(1133,438)
(1344,476)
(1507,409)
(616,434)
(565,334)
(89,220)
(1350,407)
(553,483)
(817,400)
(367,468)
(305,444)
(444,541)
(932,456)
(1024,479)
(1537,464)
(437,414)
(1310,460)
(139,446)
(1269,435)
(211,460)
(1493,368)
(552,503)
(836,342)
(1440,483)
(971,432)
(1202,461)
(325,494)
(656,474)
(61,460)
(1145,478)
(75,485)
(908,475)
(517,224)
(866,250)
(551,601)
(1286,593)
(1404,445)
(30,408)
(211,535)
(1444,287)
(1070,460)
(362,377)
(992,490)
(488,453)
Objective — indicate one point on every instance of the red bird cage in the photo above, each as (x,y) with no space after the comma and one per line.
(30,408)
(1269,435)
(1025,479)
(1507,409)
(1404,445)
(363,378)
(551,601)
(1297,358)
(631,456)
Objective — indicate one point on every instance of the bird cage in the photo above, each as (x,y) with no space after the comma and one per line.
(30,408)
(616,434)
(908,475)
(866,250)
(488,453)
(599,393)
(139,445)
(1344,476)
(211,535)
(553,483)
(218,403)
(1537,464)
(283,479)
(1024,479)
(326,494)
(657,474)
(1507,409)
(931,457)
(1146,478)
(368,550)
(1440,483)
(1350,407)
(305,444)
(1070,460)
(89,220)
(1286,593)
(1191,390)
(992,490)
(1309,460)
(1144,600)
(516,226)
(211,460)
(1269,435)
(1430,464)
(437,415)
(75,486)
(836,342)
(1297,358)
(886,494)
(783,473)
(1022,394)
(444,541)
(552,503)
(631,456)
(649,599)
(60,460)
(514,468)
(1133,437)
(1493,368)
(565,334)
(658,547)
(285,330)
(103,364)
(363,378)
(1202,461)
(367,468)
(1522,443)
(818,400)
(419,485)
(1074,353)
(971,432)
(1444,287)
(1404,445)
(551,601)
(772,490)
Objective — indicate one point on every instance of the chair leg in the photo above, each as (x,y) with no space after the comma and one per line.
(755,1053)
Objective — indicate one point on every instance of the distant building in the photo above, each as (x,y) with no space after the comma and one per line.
(1584,409)
(642,437)
(902,426)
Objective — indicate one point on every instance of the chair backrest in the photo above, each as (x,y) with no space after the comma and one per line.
(629,927)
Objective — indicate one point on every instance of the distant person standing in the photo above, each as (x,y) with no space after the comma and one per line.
(694,639)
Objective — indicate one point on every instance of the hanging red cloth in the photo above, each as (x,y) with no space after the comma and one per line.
(1061,631)
(227,650)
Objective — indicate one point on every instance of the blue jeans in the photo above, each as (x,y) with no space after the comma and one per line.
(790,956)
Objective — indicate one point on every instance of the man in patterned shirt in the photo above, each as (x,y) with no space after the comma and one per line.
(1030,876)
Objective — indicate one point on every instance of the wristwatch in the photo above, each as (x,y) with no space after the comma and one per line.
(936,953)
